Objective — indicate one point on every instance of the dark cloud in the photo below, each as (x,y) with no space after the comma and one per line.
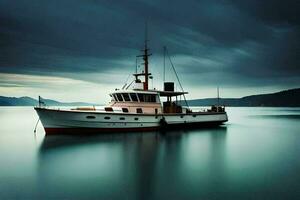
(247,42)
(275,12)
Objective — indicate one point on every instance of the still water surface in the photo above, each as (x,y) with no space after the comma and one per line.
(256,155)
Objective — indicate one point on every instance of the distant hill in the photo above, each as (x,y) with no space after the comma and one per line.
(28,101)
(288,98)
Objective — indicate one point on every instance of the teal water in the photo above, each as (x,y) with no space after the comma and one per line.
(256,155)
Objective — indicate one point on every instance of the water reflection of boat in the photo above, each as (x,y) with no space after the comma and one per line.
(66,141)
(135,107)
(133,166)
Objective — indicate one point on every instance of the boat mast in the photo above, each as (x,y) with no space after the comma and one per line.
(145,58)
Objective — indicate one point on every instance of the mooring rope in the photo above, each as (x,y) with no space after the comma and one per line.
(36,125)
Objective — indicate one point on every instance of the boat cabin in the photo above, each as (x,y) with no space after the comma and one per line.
(147,102)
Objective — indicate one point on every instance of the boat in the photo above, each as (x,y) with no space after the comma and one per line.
(135,107)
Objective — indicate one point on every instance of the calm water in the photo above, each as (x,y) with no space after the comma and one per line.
(255,156)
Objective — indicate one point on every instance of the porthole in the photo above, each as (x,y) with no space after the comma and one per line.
(90,117)
(136,118)
(106,117)
(122,118)
(194,115)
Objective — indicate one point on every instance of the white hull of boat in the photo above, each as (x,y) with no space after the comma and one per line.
(69,121)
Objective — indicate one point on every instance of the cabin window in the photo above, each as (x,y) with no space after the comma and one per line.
(106,117)
(122,118)
(125,110)
(141,97)
(109,109)
(156,111)
(126,96)
(119,96)
(133,97)
(152,98)
(147,97)
(115,97)
(139,110)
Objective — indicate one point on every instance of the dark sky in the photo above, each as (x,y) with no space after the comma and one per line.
(246,47)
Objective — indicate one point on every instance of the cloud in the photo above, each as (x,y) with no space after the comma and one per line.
(242,43)
(64,89)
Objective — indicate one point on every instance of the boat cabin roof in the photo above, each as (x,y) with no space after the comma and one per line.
(135,91)
(160,92)
(171,93)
